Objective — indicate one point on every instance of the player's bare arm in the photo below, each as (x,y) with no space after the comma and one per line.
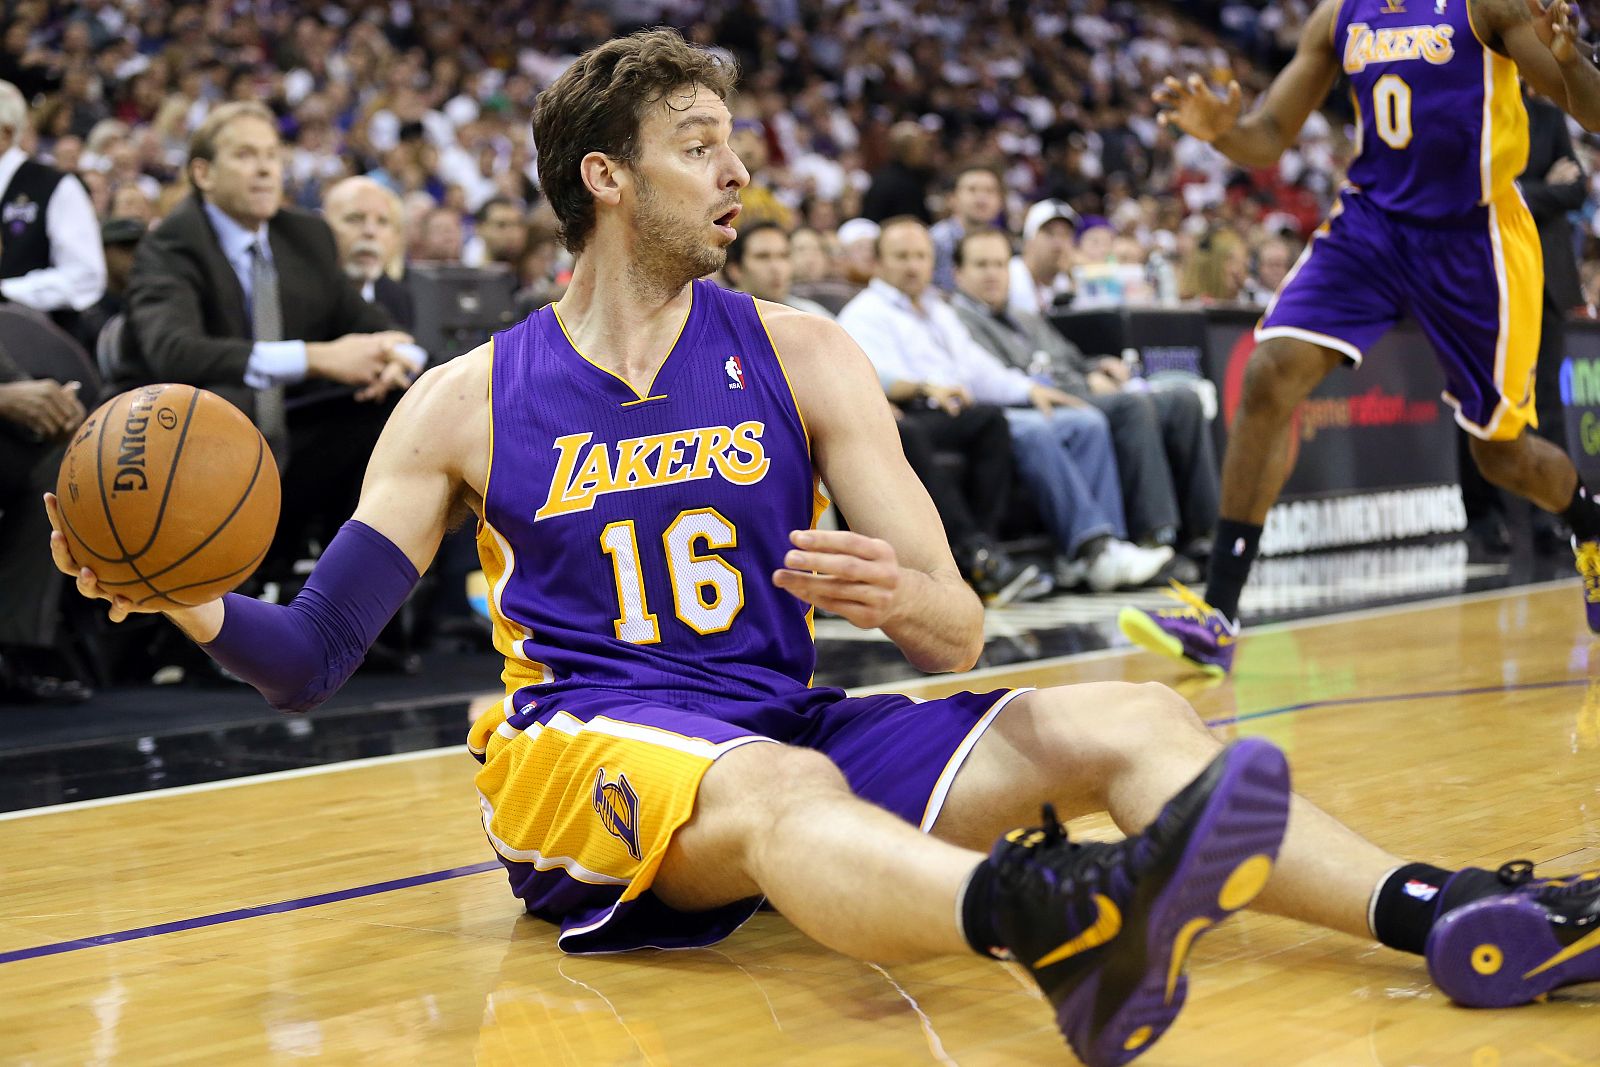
(428,466)
(1543,42)
(1259,138)
(893,570)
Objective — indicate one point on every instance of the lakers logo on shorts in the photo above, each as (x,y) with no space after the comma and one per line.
(618,806)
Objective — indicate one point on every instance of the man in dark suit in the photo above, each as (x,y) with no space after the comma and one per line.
(237,295)
(365,218)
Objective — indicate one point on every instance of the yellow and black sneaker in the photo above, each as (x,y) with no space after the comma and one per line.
(1588,561)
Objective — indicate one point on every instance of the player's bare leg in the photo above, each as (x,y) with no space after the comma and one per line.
(781,822)
(1530,467)
(1105,929)
(1125,749)
(1281,373)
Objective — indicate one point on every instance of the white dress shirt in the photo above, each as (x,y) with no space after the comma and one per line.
(271,362)
(927,342)
(76,277)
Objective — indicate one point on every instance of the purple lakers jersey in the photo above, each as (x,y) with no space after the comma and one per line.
(1440,124)
(628,540)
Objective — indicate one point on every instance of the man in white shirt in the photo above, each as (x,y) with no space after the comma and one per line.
(1063,445)
(50,254)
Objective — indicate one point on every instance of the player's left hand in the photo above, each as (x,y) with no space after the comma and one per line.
(849,574)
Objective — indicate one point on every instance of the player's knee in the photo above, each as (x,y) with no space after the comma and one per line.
(791,775)
(1499,461)
(1111,724)
(1279,375)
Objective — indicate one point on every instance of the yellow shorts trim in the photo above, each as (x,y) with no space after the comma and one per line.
(1519,269)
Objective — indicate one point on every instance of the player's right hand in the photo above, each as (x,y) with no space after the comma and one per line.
(88,586)
(1196,110)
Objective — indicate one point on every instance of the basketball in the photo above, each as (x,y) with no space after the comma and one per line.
(169,494)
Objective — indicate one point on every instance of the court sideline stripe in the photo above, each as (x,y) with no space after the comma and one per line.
(882,687)
(301,903)
(218,918)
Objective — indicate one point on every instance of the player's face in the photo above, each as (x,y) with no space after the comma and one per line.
(977,197)
(984,271)
(366,230)
(767,271)
(906,258)
(686,186)
(245,180)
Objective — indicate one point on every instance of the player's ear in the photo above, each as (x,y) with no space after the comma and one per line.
(604,177)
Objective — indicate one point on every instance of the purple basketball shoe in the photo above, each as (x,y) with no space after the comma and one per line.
(1513,946)
(1588,560)
(1105,929)
(1192,632)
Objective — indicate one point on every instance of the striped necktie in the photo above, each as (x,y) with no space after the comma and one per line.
(267,318)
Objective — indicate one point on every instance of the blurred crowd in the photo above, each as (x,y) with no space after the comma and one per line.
(1004,156)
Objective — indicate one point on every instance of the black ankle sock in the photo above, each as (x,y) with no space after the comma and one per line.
(1583,515)
(1413,897)
(977,913)
(1232,553)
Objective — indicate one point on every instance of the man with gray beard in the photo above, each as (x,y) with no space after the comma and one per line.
(365,218)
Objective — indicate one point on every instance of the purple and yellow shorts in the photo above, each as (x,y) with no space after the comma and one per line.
(1474,284)
(581,796)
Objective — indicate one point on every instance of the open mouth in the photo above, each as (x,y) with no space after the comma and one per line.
(725,220)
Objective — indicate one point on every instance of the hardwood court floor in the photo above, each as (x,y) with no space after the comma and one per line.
(1467,731)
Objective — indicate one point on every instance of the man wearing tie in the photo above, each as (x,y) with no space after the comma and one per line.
(238,295)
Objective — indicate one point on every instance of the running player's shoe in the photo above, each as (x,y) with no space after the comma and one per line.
(1191,631)
(1588,561)
(1512,946)
(1105,929)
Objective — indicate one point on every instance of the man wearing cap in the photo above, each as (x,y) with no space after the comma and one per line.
(1063,445)
(858,250)
(1040,278)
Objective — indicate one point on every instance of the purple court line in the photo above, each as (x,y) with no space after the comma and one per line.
(218,918)
(1290,709)
(301,903)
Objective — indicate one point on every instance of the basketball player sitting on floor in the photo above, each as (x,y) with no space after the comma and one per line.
(659,763)
(1431,225)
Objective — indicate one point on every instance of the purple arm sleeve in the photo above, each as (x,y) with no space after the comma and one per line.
(298,654)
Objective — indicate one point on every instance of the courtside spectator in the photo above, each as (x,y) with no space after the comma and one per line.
(365,219)
(50,256)
(238,295)
(1165,458)
(1063,446)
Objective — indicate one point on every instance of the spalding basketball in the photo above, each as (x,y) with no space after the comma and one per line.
(169,494)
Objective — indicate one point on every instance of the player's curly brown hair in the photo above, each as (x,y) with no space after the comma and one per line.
(597,105)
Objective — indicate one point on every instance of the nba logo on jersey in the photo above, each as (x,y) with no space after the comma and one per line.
(618,806)
(735,370)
